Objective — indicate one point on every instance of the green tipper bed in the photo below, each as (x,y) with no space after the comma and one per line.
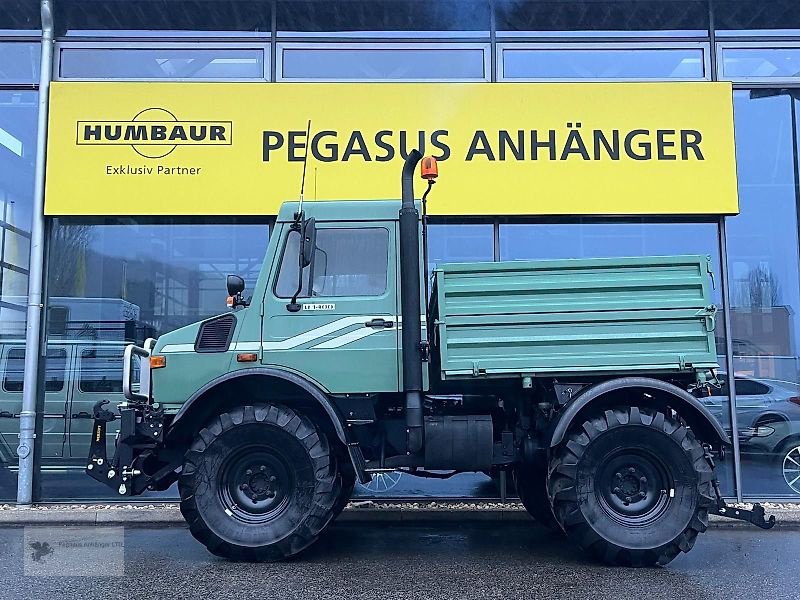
(575,316)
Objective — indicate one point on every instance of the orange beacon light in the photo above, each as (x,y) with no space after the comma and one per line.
(429,169)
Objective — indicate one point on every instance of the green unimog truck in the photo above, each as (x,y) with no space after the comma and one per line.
(580,377)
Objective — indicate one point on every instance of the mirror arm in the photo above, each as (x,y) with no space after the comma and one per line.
(294,306)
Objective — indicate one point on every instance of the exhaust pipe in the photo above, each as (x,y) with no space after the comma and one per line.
(410,306)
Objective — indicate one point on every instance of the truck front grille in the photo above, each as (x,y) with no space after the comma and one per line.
(215,334)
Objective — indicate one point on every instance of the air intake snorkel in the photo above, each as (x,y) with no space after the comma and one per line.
(410,286)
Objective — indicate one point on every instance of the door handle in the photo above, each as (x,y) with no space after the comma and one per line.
(81,415)
(379,323)
(4,414)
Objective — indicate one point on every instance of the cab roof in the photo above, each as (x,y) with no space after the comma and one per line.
(343,210)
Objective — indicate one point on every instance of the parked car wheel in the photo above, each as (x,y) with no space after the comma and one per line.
(259,483)
(631,486)
(790,464)
(382,482)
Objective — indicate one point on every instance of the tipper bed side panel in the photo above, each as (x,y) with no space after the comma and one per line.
(575,316)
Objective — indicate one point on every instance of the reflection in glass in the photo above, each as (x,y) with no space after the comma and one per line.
(375,63)
(18,122)
(765,292)
(19,62)
(111,284)
(367,18)
(632,63)
(619,18)
(162,63)
(459,242)
(760,63)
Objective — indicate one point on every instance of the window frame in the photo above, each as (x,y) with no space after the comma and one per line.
(282,255)
(283,46)
(49,355)
(720,48)
(261,46)
(704,47)
(80,358)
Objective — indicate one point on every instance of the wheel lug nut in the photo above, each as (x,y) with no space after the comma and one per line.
(262,468)
(643,480)
(248,472)
(244,486)
(272,478)
(628,499)
(616,490)
(631,470)
(618,475)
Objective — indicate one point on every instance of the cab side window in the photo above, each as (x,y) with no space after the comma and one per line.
(101,370)
(14,369)
(347,262)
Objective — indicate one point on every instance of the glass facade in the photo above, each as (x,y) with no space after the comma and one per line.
(112,281)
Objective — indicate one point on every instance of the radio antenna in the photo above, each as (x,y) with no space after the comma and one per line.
(305,164)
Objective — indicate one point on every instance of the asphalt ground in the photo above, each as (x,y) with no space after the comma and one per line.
(387,561)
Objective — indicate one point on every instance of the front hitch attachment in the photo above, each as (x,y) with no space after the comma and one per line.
(98,467)
(141,431)
(754,516)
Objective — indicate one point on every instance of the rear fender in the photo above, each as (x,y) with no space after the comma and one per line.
(689,408)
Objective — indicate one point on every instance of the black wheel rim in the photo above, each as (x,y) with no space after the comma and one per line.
(634,487)
(256,484)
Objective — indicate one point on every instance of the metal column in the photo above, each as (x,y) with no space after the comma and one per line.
(726,312)
(27,418)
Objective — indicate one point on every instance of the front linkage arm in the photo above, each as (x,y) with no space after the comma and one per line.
(141,431)
(754,516)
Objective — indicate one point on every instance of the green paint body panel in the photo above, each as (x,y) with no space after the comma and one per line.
(548,317)
(613,316)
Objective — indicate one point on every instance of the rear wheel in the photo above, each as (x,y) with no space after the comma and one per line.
(530,479)
(259,483)
(632,487)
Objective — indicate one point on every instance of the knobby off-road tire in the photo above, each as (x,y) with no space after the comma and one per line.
(259,483)
(530,479)
(632,487)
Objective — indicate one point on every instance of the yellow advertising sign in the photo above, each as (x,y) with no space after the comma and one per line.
(504,149)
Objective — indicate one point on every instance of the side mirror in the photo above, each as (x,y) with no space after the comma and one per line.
(235,288)
(309,242)
(235,285)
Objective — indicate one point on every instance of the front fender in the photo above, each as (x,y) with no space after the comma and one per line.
(311,389)
(686,405)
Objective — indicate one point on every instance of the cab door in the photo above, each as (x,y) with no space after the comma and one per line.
(345,335)
(55,399)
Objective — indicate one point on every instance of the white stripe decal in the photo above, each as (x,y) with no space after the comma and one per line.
(314,334)
(308,336)
(353,336)
(246,346)
(177,348)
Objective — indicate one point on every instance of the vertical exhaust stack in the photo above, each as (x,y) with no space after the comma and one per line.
(410,306)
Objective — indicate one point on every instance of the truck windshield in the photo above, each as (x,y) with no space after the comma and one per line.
(347,262)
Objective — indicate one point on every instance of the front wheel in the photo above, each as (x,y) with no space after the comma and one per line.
(632,487)
(259,483)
